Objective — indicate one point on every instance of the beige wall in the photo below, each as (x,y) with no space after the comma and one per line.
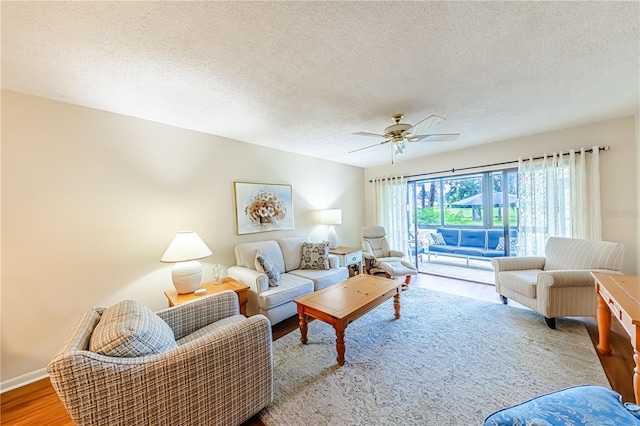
(637,212)
(618,169)
(91,199)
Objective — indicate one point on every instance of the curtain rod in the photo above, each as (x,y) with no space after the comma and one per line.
(601,148)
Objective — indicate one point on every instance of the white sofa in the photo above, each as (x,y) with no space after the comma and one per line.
(559,284)
(276,303)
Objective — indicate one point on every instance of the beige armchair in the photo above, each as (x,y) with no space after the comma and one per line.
(217,371)
(559,284)
(375,249)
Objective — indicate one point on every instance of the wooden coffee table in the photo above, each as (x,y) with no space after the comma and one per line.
(346,301)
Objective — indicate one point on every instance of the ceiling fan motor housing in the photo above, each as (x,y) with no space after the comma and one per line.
(397,131)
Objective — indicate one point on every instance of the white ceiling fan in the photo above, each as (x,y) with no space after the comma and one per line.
(399,133)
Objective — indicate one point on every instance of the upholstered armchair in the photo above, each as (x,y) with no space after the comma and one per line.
(198,363)
(560,283)
(375,249)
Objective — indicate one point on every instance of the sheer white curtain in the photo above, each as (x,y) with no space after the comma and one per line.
(558,196)
(390,201)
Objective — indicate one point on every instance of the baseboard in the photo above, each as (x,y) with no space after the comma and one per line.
(25,379)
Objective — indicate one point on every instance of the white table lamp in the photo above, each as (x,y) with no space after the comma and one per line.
(331,217)
(185,249)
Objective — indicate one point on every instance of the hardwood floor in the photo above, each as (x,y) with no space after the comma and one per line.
(38,404)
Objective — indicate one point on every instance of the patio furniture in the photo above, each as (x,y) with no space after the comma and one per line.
(559,284)
(198,363)
(481,244)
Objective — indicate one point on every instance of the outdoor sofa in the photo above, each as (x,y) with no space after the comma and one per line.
(483,244)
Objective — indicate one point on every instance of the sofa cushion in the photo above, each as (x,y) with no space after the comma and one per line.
(451,236)
(264,264)
(246,254)
(315,255)
(495,253)
(580,405)
(130,329)
(291,286)
(322,277)
(291,251)
(523,282)
(493,237)
(441,249)
(468,251)
(476,238)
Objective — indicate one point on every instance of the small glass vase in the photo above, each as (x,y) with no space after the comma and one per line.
(217,274)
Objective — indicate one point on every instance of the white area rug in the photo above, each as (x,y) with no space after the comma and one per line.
(448,360)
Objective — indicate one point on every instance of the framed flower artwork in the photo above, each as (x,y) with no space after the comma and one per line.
(262,207)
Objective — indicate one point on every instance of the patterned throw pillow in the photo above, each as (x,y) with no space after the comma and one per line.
(315,255)
(438,239)
(264,264)
(130,329)
(513,243)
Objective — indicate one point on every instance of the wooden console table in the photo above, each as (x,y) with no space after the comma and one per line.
(619,294)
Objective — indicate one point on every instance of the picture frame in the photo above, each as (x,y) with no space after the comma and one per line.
(263,207)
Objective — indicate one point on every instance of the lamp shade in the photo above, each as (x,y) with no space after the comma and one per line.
(331,217)
(185,246)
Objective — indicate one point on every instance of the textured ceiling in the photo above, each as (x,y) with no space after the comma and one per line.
(303,76)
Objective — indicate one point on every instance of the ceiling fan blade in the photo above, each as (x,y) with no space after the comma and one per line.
(370,146)
(368,134)
(435,137)
(425,124)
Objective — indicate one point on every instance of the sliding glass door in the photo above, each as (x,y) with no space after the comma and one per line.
(480,201)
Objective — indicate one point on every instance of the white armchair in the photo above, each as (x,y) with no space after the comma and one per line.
(375,249)
(559,284)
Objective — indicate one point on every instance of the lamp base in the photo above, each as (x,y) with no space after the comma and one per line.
(332,237)
(187,276)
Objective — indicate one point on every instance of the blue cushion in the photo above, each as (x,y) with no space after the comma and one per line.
(494,253)
(473,238)
(451,236)
(493,235)
(441,249)
(469,251)
(580,405)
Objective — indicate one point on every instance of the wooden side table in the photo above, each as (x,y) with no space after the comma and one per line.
(212,288)
(350,257)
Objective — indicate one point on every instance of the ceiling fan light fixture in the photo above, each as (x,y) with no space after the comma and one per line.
(399,148)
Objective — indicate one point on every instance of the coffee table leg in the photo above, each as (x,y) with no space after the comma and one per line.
(396,304)
(340,346)
(303,324)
